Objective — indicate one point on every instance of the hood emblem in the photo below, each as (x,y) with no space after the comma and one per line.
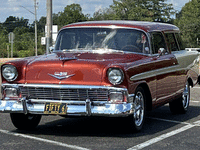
(67,58)
(61,75)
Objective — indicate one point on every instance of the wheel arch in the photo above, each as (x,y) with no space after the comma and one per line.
(148,96)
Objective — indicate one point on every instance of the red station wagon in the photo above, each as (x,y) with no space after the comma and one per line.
(102,68)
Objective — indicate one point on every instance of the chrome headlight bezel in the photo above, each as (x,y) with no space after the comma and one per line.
(115,76)
(9,72)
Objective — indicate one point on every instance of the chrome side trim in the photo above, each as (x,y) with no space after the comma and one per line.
(186,60)
(154,73)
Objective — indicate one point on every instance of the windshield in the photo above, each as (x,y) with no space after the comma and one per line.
(102,38)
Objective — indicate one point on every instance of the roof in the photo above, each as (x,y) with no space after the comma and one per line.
(146,26)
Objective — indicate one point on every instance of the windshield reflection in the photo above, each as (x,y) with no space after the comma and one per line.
(102,39)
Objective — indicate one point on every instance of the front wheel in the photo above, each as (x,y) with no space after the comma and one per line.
(136,120)
(180,106)
(25,122)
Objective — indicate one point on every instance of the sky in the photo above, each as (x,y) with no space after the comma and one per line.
(23,8)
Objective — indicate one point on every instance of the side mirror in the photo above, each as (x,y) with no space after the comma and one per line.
(161,51)
(146,50)
(51,49)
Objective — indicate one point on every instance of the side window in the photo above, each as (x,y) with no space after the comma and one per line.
(157,41)
(180,42)
(171,42)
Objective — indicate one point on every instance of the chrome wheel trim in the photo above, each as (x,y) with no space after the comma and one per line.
(186,96)
(139,108)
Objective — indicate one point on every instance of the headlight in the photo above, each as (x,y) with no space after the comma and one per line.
(9,72)
(115,76)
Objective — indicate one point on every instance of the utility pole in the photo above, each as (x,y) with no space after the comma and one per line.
(11,40)
(8,50)
(35,5)
(49,25)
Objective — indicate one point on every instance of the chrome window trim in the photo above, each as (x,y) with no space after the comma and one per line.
(151,48)
(112,27)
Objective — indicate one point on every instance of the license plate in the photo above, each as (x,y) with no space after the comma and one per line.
(55,108)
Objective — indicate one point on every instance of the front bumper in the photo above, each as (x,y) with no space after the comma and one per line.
(89,100)
(81,109)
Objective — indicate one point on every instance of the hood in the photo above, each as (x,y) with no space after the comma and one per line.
(74,68)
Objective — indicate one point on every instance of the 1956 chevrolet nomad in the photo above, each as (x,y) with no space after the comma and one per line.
(102,68)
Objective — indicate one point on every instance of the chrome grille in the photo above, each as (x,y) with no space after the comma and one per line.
(65,94)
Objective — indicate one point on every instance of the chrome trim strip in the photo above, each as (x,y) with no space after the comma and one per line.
(186,60)
(113,27)
(67,58)
(42,101)
(65,86)
(154,73)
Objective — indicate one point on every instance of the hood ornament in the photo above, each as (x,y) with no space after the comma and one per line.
(61,75)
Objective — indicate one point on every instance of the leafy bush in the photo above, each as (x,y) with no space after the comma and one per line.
(25,53)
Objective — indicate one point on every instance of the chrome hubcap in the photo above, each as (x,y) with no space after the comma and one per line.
(139,108)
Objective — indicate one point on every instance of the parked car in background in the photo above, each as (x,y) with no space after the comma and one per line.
(193,49)
(102,68)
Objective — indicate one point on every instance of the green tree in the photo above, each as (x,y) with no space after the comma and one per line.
(72,13)
(159,10)
(104,14)
(41,24)
(3,42)
(188,20)
(13,22)
(24,41)
(138,10)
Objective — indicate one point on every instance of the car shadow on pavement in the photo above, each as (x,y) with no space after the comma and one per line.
(113,127)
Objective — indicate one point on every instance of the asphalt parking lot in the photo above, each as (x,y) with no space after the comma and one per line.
(162,130)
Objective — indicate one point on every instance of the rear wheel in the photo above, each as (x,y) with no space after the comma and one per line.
(180,106)
(25,122)
(136,120)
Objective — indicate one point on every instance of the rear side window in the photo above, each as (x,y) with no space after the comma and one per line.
(180,42)
(171,42)
(157,41)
